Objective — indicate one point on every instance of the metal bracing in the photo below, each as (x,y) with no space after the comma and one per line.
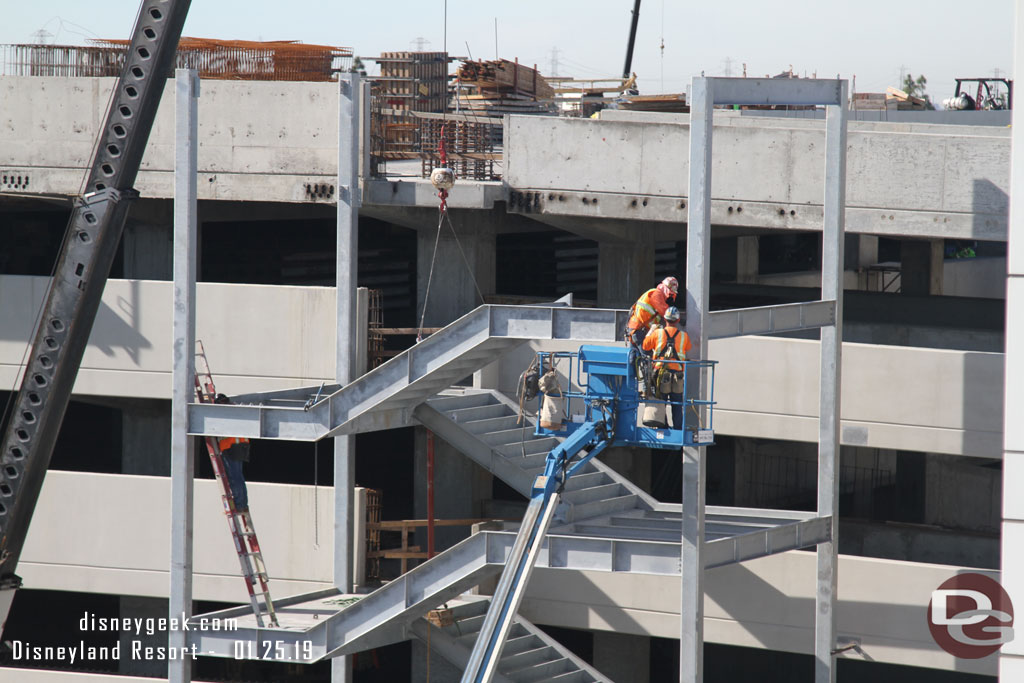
(826,314)
(183,372)
(384,397)
(771,319)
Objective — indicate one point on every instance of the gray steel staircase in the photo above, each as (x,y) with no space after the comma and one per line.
(529,654)
(385,397)
(483,426)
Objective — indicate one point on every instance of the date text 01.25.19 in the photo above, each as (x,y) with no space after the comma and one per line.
(301,650)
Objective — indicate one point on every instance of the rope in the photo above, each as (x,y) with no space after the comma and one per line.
(443,215)
(465,260)
(430,277)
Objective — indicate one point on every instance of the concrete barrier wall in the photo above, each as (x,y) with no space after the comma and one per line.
(257,337)
(926,400)
(951,184)
(122,548)
(258,140)
(765,603)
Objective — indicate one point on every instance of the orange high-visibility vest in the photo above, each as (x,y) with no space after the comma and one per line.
(674,351)
(226,443)
(648,309)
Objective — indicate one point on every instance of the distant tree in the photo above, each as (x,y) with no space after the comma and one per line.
(915,87)
(358,66)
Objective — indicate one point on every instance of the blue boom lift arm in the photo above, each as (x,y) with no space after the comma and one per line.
(611,401)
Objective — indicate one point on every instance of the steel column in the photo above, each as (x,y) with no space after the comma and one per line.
(186,87)
(829,387)
(345,367)
(698,259)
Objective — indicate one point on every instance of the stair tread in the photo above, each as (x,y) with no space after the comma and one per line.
(494,424)
(593,493)
(463,415)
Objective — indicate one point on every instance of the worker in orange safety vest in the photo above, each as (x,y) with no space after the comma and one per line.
(669,345)
(650,308)
(235,451)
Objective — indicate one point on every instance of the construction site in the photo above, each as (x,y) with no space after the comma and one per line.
(311,375)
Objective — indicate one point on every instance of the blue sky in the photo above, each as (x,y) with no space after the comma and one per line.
(872,39)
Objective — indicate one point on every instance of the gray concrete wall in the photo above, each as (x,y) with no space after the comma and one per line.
(257,337)
(937,184)
(916,399)
(766,603)
(259,140)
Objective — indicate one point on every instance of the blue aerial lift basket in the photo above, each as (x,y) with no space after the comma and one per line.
(609,391)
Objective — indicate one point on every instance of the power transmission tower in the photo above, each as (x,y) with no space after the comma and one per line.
(728,67)
(554,61)
(41,35)
(420,42)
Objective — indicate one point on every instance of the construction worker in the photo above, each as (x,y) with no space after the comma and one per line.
(235,451)
(649,309)
(669,345)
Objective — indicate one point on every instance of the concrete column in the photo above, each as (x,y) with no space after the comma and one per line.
(747,263)
(146,438)
(860,254)
(147,250)
(460,488)
(867,250)
(921,267)
(622,657)
(625,270)
(463,266)
(632,463)
(133,608)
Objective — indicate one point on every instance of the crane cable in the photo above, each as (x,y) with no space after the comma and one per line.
(443,178)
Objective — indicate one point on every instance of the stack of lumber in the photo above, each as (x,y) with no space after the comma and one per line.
(502,87)
(675,103)
(870,101)
(903,100)
(893,99)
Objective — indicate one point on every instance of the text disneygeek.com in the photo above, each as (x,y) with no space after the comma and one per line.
(133,645)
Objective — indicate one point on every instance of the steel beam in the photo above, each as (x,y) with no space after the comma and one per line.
(827,314)
(186,87)
(833,240)
(782,91)
(771,319)
(768,541)
(346,345)
(698,265)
